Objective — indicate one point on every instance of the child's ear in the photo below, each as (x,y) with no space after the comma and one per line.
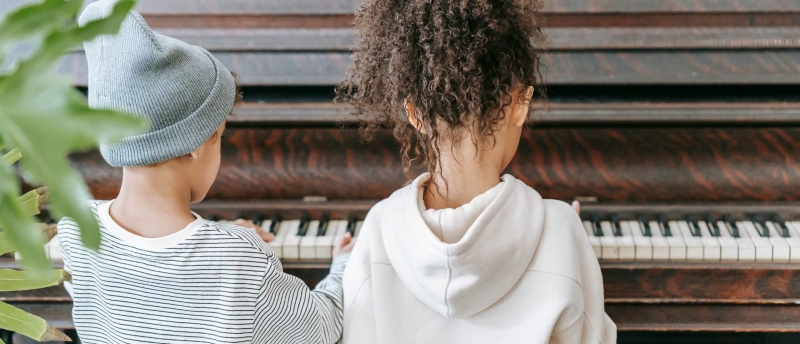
(411,112)
(523,107)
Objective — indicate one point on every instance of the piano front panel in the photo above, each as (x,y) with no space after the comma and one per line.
(612,164)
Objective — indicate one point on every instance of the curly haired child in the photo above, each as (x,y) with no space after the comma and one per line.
(463,254)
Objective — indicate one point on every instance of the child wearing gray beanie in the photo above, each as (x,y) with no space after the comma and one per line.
(162,273)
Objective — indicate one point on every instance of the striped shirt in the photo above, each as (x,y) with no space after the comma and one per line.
(208,283)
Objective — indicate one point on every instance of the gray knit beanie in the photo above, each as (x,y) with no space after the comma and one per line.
(181,89)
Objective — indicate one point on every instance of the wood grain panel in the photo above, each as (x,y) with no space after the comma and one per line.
(561,67)
(705,317)
(710,282)
(624,164)
(344,39)
(564,6)
(560,114)
(576,13)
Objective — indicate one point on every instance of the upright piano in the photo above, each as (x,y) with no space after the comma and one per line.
(675,122)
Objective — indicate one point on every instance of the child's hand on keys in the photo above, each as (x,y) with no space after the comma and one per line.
(577,206)
(265,235)
(344,246)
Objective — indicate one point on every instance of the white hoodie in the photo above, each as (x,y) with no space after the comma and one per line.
(522,272)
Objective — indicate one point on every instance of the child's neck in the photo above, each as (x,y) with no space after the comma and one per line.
(467,175)
(152,202)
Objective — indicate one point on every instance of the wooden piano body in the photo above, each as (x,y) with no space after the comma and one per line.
(668,107)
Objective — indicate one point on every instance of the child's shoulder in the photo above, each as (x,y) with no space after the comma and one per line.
(68,224)
(245,236)
(561,220)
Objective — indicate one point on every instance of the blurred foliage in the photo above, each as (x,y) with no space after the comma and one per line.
(43,118)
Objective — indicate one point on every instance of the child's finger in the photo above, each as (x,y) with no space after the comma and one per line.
(345,239)
(577,206)
(266,236)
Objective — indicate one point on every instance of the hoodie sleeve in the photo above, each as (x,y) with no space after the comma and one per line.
(288,312)
(593,326)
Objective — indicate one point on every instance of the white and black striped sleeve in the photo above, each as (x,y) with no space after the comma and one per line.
(288,312)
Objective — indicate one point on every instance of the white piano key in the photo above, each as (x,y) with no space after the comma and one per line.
(729,249)
(763,245)
(644,246)
(694,245)
(627,246)
(593,240)
(711,247)
(280,235)
(324,244)
(747,250)
(307,242)
(609,242)
(781,251)
(677,246)
(291,245)
(794,240)
(660,243)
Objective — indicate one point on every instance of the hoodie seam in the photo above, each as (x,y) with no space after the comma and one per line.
(447,282)
(355,296)
(594,329)
(559,275)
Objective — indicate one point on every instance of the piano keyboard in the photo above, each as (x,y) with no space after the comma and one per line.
(305,238)
(295,239)
(756,238)
(759,238)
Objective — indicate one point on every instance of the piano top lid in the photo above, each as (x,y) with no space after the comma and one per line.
(563,6)
(348,7)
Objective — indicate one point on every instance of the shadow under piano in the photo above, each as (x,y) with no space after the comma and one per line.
(677,123)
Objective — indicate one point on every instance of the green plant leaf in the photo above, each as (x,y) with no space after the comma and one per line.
(29,325)
(31,203)
(49,231)
(43,115)
(35,19)
(5,244)
(13,156)
(15,280)
(19,229)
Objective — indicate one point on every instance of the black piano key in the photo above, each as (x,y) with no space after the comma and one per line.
(615,225)
(213,218)
(257,218)
(776,218)
(712,225)
(323,224)
(304,222)
(351,225)
(761,226)
(598,231)
(665,230)
(694,227)
(645,226)
(273,227)
(732,223)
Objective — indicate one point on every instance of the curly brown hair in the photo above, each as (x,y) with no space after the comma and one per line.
(457,61)
(239,97)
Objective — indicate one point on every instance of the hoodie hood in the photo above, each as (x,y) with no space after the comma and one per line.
(464,278)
